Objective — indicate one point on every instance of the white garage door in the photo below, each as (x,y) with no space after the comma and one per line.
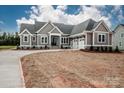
(81,43)
(75,41)
(78,43)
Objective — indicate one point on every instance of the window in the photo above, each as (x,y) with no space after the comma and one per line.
(101,38)
(33,38)
(62,40)
(42,39)
(120,44)
(45,39)
(122,34)
(25,38)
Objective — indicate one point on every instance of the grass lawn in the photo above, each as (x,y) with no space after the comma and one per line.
(6,47)
(74,69)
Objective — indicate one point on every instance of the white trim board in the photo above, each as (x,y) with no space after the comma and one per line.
(26,31)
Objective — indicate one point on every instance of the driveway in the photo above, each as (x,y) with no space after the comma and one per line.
(10,71)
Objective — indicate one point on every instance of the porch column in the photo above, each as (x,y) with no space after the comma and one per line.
(30,41)
(60,41)
(50,40)
(93,39)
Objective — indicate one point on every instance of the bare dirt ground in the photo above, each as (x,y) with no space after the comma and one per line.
(74,69)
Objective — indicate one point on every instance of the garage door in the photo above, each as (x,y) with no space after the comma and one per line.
(75,43)
(80,43)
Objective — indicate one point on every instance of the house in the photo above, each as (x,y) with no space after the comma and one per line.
(57,35)
(118,37)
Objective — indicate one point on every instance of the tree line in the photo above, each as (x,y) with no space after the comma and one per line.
(9,39)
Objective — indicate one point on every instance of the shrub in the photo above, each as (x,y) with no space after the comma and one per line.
(91,48)
(117,49)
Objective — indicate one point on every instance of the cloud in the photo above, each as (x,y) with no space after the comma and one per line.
(1,22)
(48,13)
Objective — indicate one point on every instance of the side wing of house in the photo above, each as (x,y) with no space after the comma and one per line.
(102,35)
(118,37)
(25,38)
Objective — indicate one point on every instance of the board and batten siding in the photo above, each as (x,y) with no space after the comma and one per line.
(89,38)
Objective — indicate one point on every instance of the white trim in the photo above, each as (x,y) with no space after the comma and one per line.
(24,31)
(97,45)
(76,35)
(25,45)
(103,24)
(100,32)
(93,39)
(55,34)
(30,40)
(56,29)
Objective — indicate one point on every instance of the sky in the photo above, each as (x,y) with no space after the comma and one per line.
(11,16)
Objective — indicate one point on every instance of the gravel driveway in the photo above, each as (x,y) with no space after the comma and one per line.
(10,73)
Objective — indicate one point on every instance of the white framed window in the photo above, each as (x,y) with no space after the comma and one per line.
(101,38)
(34,38)
(120,44)
(122,34)
(25,38)
(64,40)
(44,39)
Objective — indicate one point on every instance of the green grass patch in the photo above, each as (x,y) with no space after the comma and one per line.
(6,47)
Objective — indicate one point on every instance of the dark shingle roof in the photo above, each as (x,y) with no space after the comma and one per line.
(66,29)
(29,27)
(87,25)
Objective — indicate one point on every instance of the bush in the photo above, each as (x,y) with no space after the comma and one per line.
(91,48)
(117,49)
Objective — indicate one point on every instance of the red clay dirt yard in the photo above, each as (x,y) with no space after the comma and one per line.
(73,69)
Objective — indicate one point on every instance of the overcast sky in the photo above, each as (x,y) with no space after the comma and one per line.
(12,16)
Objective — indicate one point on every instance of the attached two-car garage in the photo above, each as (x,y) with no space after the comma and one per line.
(78,43)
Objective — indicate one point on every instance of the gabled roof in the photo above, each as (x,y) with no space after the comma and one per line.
(29,27)
(66,29)
(122,25)
(87,25)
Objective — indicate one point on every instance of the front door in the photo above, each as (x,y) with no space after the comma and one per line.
(55,40)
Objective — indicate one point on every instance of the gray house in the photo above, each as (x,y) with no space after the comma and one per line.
(118,37)
(56,35)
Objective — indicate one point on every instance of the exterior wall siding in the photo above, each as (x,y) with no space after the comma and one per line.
(117,38)
(96,39)
(39,43)
(89,38)
(22,41)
